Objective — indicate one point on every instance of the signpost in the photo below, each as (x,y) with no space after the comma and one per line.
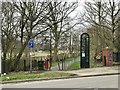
(31,45)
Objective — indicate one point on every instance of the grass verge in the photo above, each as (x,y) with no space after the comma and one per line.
(74,66)
(22,76)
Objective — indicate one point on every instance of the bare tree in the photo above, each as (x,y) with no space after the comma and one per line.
(95,17)
(9,33)
(29,22)
(112,21)
(118,31)
(103,18)
(58,19)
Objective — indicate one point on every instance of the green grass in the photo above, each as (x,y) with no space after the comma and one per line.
(74,66)
(69,59)
(66,60)
(22,76)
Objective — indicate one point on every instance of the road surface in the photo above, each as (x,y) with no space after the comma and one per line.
(110,81)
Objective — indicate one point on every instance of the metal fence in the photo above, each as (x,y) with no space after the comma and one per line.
(8,65)
(116,56)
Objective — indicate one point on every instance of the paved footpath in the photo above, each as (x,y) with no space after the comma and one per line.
(97,71)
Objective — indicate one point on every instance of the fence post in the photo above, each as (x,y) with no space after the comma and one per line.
(24,65)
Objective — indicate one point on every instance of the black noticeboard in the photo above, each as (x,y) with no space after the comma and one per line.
(84,50)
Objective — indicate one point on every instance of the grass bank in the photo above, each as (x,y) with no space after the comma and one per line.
(21,76)
(74,66)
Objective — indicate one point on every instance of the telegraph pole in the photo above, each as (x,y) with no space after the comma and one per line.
(50,49)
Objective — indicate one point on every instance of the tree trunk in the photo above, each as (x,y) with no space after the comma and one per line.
(113,42)
(4,63)
(20,54)
(58,64)
(55,53)
(5,51)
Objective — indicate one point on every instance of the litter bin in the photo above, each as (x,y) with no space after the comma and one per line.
(40,65)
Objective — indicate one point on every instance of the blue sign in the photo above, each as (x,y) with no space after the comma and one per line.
(31,44)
